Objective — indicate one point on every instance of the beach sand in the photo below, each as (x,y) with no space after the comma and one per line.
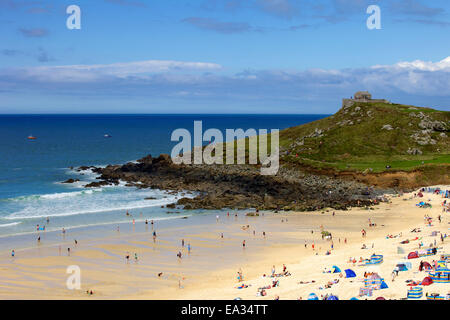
(209,271)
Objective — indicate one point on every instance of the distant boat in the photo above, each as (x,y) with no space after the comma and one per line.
(107,136)
(31,138)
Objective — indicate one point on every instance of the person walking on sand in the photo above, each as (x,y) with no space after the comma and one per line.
(13,253)
(182,242)
(68,251)
(243,244)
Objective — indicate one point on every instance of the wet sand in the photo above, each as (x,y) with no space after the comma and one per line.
(209,271)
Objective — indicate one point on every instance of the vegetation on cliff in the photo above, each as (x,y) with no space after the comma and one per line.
(371,137)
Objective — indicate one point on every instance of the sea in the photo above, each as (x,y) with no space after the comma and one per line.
(33,197)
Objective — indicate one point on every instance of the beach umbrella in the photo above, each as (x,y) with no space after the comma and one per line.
(336,269)
(333,298)
(354,298)
(380,298)
(349,273)
(313,296)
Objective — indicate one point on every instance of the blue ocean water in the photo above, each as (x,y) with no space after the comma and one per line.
(31,170)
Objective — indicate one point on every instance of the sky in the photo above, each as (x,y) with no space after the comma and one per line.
(220,56)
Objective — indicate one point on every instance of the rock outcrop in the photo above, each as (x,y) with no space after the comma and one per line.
(238,186)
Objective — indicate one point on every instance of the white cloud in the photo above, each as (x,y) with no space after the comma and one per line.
(99,72)
(191,83)
(420,65)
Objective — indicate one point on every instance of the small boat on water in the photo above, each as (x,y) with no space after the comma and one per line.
(107,136)
(31,137)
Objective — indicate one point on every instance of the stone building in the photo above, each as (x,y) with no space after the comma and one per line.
(361,96)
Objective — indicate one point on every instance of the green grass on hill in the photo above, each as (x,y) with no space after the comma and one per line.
(354,139)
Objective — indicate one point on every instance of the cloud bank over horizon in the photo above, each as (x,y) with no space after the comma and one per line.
(187,84)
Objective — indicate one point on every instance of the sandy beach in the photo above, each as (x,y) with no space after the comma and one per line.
(209,270)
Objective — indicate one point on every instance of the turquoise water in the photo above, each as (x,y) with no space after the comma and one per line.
(32,170)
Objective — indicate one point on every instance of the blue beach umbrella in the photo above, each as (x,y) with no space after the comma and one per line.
(313,296)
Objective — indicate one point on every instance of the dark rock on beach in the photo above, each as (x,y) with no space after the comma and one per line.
(239,186)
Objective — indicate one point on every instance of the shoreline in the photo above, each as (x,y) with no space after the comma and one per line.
(209,279)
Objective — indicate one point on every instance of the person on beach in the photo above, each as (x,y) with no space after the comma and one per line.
(68,251)
(146,221)
(63,231)
(243,244)
(273,271)
(135,257)
(179,254)
(182,242)
(127,257)
(39,239)
(76,242)
(154,236)
(189,248)
(240,276)
(13,253)
(264,234)
(221,235)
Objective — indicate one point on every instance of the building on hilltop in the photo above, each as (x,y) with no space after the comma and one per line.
(361,96)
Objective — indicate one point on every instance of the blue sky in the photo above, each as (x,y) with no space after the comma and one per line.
(220,56)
